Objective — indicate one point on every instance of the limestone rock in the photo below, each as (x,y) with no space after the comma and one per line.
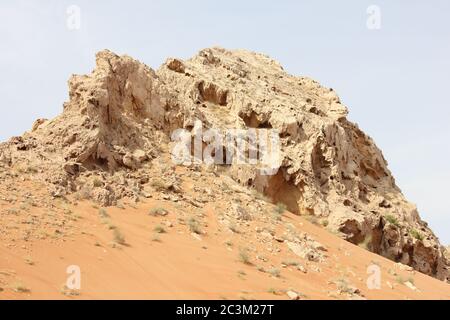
(122,115)
(305,251)
(292,295)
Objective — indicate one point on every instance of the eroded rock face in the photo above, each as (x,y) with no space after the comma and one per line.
(120,117)
(330,168)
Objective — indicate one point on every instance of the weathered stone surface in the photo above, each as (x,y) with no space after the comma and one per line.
(120,117)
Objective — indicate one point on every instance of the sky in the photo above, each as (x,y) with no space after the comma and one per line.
(389,61)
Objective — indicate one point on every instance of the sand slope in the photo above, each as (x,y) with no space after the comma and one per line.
(178,264)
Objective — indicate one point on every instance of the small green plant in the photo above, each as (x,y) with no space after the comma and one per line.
(324,223)
(159,229)
(118,237)
(97,183)
(244,256)
(313,219)
(242,273)
(103,213)
(111,226)
(291,228)
(29,261)
(156,238)
(108,223)
(274,272)
(280,208)
(272,291)
(343,285)
(194,225)
(392,220)
(417,235)
(276,216)
(400,280)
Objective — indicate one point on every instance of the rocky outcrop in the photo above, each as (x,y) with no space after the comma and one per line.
(330,168)
(121,116)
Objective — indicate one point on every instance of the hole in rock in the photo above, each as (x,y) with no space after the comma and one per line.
(252,121)
(211,93)
(281,191)
(95,163)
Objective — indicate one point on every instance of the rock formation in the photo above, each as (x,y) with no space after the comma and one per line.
(122,115)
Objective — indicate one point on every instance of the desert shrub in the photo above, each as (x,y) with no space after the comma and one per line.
(276,216)
(343,286)
(274,272)
(280,208)
(97,183)
(242,273)
(272,291)
(103,213)
(417,235)
(108,223)
(312,219)
(392,220)
(156,238)
(194,225)
(29,261)
(244,256)
(159,229)
(118,237)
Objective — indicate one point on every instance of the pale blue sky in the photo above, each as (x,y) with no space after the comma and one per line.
(394,80)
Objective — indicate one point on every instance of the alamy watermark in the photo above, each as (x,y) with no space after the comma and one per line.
(373,21)
(73,21)
(73,281)
(255,147)
(374,279)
